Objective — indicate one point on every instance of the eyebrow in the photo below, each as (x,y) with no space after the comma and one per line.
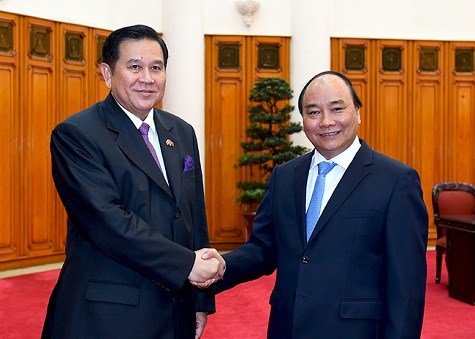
(333,102)
(158,61)
(337,102)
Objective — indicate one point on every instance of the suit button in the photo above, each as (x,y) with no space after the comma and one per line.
(305,259)
(176,215)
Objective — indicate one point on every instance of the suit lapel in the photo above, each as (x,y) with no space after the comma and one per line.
(300,188)
(358,169)
(131,143)
(170,151)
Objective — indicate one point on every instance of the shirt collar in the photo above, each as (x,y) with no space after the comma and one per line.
(343,159)
(137,122)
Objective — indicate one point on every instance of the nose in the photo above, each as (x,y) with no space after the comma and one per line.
(326,119)
(147,76)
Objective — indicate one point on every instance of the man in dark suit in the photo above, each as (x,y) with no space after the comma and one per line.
(135,204)
(361,270)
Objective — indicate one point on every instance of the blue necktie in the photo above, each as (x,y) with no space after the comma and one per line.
(313,212)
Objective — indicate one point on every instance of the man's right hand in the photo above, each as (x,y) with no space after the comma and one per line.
(208,268)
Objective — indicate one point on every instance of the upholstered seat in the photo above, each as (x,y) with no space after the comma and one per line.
(450,198)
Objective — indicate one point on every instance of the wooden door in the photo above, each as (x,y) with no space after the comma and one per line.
(233,64)
(418,104)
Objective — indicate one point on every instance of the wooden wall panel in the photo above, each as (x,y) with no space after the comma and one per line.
(74,94)
(233,64)
(98,89)
(43,79)
(38,117)
(391,100)
(73,84)
(361,69)
(423,111)
(9,138)
(426,111)
(460,118)
(226,138)
(263,66)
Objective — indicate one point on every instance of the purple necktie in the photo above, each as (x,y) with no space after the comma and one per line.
(144,131)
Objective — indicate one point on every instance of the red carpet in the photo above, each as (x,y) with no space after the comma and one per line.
(242,312)
(23,302)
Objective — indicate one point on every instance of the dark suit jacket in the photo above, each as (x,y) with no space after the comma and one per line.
(363,272)
(131,237)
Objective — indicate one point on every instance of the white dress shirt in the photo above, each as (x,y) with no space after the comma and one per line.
(152,135)
(332,179)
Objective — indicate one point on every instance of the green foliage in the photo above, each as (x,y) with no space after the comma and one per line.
(252,192)
(268,131)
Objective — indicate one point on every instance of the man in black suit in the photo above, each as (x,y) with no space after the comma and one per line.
(355,265)
(136,215)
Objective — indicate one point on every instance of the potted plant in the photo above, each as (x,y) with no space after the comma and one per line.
(267,143)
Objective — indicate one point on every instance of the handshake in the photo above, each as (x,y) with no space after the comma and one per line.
(208,268)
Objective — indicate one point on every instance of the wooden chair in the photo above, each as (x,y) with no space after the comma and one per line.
(450,198)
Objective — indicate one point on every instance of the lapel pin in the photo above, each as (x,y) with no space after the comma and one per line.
(170,143)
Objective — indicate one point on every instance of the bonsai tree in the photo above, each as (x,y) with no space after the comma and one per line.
(267,134)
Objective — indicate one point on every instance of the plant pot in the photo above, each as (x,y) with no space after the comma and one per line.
(248,221)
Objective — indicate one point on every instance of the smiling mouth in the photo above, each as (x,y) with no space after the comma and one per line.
(329,134)
(145,93)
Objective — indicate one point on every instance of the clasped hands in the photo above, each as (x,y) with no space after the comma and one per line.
(208,268)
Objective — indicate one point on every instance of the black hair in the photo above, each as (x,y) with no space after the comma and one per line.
(110,49)
(354,95)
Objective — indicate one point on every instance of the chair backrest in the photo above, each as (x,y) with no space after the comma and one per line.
(453,198)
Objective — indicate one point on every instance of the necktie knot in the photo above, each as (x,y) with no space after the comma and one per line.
(324,167)
(144,129)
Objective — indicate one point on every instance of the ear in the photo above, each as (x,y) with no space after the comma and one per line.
(106,74)
(359,116)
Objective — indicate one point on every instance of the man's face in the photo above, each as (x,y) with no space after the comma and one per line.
(138,79)
(330,119)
